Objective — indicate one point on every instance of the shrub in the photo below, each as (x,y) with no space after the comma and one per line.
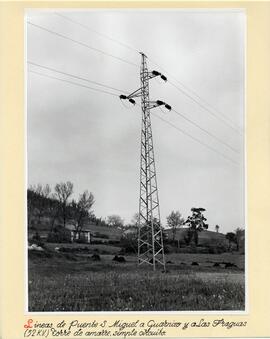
(119,259)
(98,242)
(169,249)
(36,239)
(39,254)
(217,249)
(59,235)
(113,242)
(81,241)
(95,257)
(129,242)
(101,235)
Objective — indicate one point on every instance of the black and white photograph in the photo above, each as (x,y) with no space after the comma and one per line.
(136,197)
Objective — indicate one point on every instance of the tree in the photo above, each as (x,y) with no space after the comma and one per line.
(81,210)
(53,209)
(37,200)
(129,239)
(174,221)
(217,228)
(240,236)
(99,221)
(231,237)
(196,224)
(115,221)
(31,205)
(237,237)
(63,192)
(49,205)
(43,201)
(135,220)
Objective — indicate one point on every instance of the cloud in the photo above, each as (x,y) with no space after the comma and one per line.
(90,139)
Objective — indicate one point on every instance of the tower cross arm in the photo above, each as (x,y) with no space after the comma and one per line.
(138,92)
(157,103)
(135,94)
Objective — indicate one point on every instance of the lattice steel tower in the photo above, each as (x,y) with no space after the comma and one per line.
(150,237)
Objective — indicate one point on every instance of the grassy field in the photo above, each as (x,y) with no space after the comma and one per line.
(68,282)
(100,248)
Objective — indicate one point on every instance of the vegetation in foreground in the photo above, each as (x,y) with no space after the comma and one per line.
(67,283)
(65,273)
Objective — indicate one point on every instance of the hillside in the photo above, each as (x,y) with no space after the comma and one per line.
(109,233)
(97,231)
(205,237)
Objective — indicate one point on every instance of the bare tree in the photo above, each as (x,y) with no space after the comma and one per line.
(63,192)
(34,202)
(174,221)
(115,221)
(36,188)
(46,191)
(217,228)
(53,209)
(37,200)
(81,210)
(44,199)
(135,220)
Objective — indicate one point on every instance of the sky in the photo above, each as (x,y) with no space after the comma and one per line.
(93,140)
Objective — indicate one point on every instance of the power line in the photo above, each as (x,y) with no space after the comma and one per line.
(96,32)
(82,44)
(218,116)
(74,76)
(195,139)
(208,104)
(74,83)
(113,94)
(205,131)
(106,92)
(204,107)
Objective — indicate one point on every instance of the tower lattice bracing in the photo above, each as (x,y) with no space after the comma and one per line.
(150,238)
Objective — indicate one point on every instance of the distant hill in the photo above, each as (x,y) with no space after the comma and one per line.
(206,238)
(97,231)
(109,233)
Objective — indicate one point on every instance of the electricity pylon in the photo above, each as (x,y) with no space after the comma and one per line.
(150,237)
